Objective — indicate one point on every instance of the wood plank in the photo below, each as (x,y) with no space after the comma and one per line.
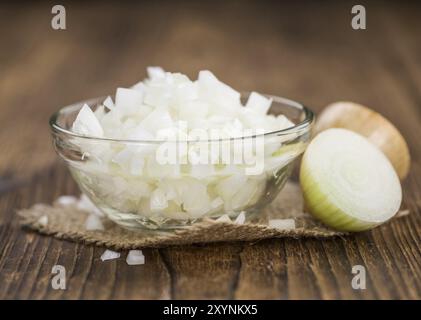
(203,272)
(263,273)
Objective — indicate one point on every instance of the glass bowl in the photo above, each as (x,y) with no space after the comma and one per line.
(139,192)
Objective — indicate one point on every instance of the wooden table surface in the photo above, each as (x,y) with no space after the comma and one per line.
(306,51)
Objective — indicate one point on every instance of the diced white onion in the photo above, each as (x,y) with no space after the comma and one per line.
(87,124)
(170,106)
(282,224)
(224,218)
(93,222)
(108,102)
(158,200)
(258,103)
(217,202)
(43,220)
(66,200)
(110,255)
(128,100)
(155,72)
(241,218)
(135,257)
(85,204)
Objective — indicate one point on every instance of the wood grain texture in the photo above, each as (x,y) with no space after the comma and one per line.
(305,51)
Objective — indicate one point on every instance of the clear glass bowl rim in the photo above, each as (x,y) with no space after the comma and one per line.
(300,127)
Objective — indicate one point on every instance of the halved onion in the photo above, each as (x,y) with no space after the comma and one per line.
(347,182)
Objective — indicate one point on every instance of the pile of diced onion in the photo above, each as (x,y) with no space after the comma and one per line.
(170,104)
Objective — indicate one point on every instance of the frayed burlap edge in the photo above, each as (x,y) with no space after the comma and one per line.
(69,223)
(203,232)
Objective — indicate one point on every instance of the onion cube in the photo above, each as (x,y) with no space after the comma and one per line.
(85,204)
(258,103)
(128,100)
(156,120)
(135,257)
(282,224)
(110,255)
(158,200)
(155,72)
(66,200)
(108,103)
(43,221)
(93,222)
(241,218)
(87,124)
(224,218)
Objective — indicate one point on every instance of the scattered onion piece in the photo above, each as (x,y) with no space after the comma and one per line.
(85,204)
(282,224)
(110,255)
(224,218)
(93,222)
(241,218)
(66,200)
(43,221)
(135,257)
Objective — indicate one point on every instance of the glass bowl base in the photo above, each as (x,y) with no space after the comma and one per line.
(135,223)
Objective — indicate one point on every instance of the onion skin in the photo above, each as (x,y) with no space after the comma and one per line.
(376,128)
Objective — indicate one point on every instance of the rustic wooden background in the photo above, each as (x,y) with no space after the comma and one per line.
(306,51)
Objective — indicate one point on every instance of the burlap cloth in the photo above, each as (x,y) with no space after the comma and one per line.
(69,223)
